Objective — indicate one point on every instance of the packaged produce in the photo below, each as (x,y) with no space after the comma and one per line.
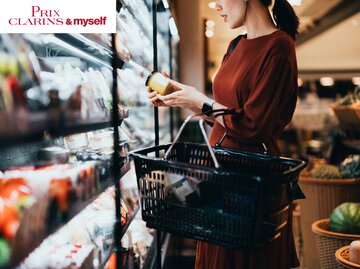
(15,196)
(76,142)
(101,140)
(9,220)
(59,191)
(60,254)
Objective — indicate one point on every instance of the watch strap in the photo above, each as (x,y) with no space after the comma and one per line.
(207,108)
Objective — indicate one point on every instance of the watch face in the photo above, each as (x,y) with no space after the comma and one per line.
(206,109)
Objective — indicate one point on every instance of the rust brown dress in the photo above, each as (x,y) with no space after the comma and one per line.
(259,80)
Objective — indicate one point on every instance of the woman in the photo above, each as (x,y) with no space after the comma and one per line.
(258,80)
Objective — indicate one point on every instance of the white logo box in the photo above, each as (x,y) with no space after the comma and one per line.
(57,16)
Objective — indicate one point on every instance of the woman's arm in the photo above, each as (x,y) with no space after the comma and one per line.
(273,95)
(184,96)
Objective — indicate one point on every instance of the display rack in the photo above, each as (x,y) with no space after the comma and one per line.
(101,51)
(58,124)
(28,129)
(123,231)
(75,209)
(66,44)
(150,261)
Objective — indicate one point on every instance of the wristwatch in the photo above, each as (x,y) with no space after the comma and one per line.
(207,108)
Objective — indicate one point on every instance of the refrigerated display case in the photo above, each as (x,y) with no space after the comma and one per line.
(57,141)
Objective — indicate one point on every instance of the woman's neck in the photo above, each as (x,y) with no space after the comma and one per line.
(258,20)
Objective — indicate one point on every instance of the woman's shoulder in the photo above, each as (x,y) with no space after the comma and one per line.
(281,42)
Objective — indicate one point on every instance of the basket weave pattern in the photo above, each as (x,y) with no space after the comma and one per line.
(347,115)
(322,196)
(328,242)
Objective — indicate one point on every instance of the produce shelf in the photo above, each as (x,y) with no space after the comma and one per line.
(83,43)
(21,129)
(21,249)
(123,231)
(132,216)
(150,261)
(68,45)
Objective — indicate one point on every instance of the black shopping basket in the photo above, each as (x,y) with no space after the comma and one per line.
(250,194)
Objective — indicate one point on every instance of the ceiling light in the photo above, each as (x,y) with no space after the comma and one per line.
(212,5)
(209,33)
(356,81)
(295,2)
(327,81)
(210,23)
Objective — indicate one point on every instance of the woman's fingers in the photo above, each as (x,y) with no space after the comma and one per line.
(177,84)
(152,94)
(165,73)
(169,100)
(155,98)
(156,103)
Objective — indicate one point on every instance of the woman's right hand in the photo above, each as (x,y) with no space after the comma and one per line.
(153,96)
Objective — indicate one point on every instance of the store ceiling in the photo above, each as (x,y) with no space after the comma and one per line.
(322,47)
(335,52)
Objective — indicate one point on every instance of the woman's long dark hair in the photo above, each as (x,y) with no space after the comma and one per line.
(284,16)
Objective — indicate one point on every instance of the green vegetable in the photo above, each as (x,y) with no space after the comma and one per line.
(326,171)
(346,218)
(349,100)
(350,167)
(4,253)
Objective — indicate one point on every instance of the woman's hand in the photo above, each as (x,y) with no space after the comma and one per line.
(153,95)
(183,96)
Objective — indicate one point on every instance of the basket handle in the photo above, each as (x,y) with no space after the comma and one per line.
(201,125)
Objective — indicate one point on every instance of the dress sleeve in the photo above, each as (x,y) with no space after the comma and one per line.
(262,111)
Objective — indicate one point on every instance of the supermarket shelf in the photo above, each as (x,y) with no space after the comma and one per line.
(67,127)
(64,46)
(124,229)
(150,261)
(165,248)
(105,259)
(81,42)
(18,246)
(22,129)
(133,214)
